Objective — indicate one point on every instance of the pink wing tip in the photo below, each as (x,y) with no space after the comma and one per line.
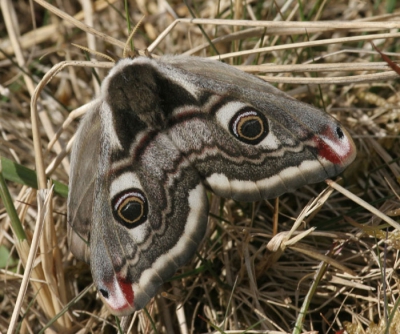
(120,297)
(336,146)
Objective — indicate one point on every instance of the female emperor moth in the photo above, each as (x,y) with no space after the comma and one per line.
(165,130)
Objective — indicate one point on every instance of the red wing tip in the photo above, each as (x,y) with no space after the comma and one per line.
(336,146)
(118,296)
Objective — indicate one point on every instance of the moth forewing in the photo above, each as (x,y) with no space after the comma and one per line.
(85,158)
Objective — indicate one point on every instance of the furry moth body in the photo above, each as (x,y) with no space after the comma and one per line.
(164,131)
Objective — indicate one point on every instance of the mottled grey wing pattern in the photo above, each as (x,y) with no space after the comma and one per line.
(163,131)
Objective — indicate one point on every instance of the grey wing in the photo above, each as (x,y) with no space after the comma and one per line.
(151,215)
(168,127)
(84,161)
(252,141)
(149,205)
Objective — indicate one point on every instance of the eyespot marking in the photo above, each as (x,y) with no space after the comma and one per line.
(130,207)
(249,126)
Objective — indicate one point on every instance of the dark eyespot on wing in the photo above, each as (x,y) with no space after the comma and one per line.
(130,207)
(249,126)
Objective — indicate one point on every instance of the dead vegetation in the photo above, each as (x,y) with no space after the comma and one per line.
(257,271)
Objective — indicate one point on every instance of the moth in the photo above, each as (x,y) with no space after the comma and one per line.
(162,133)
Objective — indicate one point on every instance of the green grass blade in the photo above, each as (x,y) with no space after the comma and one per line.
(9,206)
(22,175)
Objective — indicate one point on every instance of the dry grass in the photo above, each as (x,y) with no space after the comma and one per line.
(343,274)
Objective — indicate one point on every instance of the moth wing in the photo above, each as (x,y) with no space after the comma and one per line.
(156,219)
(84,162)
(167,128)
(256,141)
(146,205)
